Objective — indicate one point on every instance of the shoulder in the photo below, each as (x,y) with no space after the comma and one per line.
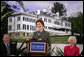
(76,47)
(46,32)
(2,43)
(35,32)
(66,47)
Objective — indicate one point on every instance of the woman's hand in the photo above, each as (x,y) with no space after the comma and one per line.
(12,55)
(39,39)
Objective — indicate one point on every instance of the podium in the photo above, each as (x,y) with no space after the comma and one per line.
(37,48)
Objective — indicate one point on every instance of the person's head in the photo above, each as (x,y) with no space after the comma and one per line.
(6,38)
(39,24)
(72,40)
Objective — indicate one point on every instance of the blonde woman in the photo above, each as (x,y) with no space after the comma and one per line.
(72,49)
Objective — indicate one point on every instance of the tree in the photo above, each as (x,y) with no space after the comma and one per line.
(5,13)
(77,23)
(59,8)
(77,26)
(21,4)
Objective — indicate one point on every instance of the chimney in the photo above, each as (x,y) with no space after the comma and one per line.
(44,10)
(38,12)
(21,10)
(27,11)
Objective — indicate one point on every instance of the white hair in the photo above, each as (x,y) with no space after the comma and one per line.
(74,38)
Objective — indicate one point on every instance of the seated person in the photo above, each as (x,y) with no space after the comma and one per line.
(7,49)
(72,49)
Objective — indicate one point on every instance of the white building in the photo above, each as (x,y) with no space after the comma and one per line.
(21,24)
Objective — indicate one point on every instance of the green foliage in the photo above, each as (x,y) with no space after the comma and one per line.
(5,12)
(77,23)
(19,40)
(79,39)
(4,20)
(59,8)
(5,15)
(59,39)
(2,8)
(54,39)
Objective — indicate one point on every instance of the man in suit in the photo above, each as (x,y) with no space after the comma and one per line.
(7,49)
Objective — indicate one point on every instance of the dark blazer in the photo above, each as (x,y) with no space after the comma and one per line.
(45,36)
(13,49)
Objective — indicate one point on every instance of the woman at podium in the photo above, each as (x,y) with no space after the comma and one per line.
(41,34)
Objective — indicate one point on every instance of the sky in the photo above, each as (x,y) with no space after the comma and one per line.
(72,6)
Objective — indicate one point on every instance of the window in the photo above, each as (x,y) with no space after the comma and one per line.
(31,20)
(56,22)
(34,20)
(24,18)
(67,24)
(27,19)
(45,27)
(23,34)
(27,34)
(49,20)
(10,19)
(18,26)
(27,27)
(40,18)
(10,27)
(17,34)
(30,27)
(24,26)
(61,24)
(50,28)
(45,19)
(18,18)
(33,27)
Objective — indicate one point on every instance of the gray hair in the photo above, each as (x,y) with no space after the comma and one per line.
(74,38)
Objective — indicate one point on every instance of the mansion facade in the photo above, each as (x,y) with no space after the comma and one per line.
(22,24)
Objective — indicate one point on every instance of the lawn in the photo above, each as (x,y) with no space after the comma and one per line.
(19,40)
(59,39)
(54,39)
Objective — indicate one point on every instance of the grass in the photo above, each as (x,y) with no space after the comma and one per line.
(59,39)
(20,40)
(54,39)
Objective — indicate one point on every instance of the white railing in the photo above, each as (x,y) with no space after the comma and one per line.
(61,46)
